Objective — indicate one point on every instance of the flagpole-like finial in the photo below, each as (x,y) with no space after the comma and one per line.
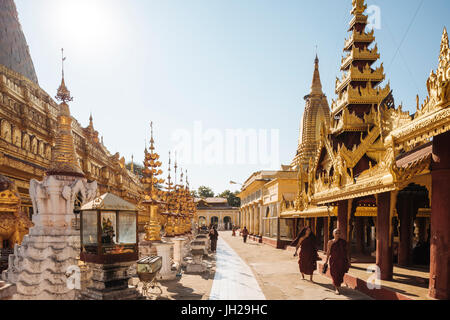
(63,93)
(176,167)
(62,61)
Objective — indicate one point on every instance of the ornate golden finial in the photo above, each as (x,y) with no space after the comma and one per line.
(444,56)
(187,182)
(152,141)
(359,6)
(63,94)
(64,160)
(91,121)
(176,167)
(169,178)
(132,164)
(181,177)
(316,87)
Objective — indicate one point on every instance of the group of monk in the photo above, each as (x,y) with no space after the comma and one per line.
(337,256)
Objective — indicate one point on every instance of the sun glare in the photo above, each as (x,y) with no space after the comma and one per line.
(86,22)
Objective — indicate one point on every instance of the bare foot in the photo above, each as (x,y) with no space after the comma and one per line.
(337,292)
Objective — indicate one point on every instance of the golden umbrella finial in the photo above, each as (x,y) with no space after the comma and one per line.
(63,94)
(64,160)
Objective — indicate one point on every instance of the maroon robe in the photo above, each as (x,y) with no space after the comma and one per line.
(339,265)
(308,256)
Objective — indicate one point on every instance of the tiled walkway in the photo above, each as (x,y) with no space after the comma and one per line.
(234,280)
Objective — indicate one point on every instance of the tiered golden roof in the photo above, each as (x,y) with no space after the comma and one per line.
(359,82)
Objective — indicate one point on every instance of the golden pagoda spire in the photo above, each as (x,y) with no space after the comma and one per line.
(91,121)
(316,87)
(132,164)
(64,160)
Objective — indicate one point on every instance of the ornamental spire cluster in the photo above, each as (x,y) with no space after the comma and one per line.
(151,172)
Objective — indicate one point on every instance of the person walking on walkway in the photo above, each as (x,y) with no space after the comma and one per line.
(213,236)
(338,258)
(245,234)
(306,242)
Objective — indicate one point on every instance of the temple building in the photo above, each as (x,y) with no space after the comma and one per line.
(216,211)
(261,198)
(380,174)
(28,117)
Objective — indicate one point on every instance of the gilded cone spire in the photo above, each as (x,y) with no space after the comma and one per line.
(316,87)
(64,159)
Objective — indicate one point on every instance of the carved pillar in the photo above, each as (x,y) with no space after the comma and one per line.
(252,220)
(261,227)
(257,218)
(405,213)
(384,243)
(440,219)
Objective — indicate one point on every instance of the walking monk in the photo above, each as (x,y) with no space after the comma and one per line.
(337,255)
(245,234)
(306,242)
(213,236)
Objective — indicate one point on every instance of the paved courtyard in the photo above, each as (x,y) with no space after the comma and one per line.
(252,271)
(234,279)
(277,273)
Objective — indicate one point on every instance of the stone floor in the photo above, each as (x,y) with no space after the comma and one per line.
(277,274)
(190,286)
(234,279)
(251,271)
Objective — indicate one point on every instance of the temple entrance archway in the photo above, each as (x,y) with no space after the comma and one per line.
(215,221)
(227,223)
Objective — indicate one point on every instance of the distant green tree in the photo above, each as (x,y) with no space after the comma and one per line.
(137,169)
(194,193)
(233,199)
(205,192)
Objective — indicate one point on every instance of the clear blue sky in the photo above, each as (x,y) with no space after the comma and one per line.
(228,63)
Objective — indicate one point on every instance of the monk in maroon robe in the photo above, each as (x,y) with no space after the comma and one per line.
(337,255)
(306,242)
